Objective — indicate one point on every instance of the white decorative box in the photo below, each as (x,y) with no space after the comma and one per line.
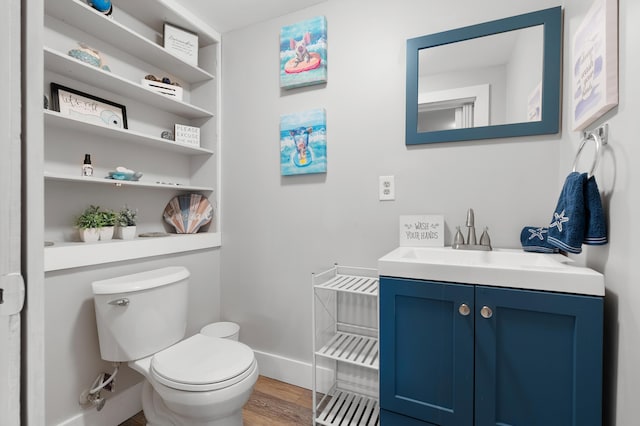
(187,135)
(163,88)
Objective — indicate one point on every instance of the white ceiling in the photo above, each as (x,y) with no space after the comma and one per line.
(227,15)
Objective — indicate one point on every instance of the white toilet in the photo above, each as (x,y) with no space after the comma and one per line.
(201,380)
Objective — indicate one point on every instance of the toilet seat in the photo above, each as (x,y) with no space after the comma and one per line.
(203,363)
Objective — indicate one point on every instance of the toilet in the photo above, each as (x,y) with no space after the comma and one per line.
(202,380)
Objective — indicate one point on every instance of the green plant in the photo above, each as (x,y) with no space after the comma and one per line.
(126,217)
(96,217)
(108,217)
(90,218)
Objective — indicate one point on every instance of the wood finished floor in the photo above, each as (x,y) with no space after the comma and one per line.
(272,403)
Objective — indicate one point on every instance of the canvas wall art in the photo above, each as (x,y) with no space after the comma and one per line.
(303,53)
(595,64)
(303,142)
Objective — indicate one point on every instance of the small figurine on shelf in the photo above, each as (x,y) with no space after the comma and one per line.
(103,6)
(89,55)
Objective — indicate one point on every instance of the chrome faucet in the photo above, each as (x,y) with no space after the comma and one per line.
(471,243)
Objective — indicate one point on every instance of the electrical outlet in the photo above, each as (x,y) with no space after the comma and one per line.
(386,188)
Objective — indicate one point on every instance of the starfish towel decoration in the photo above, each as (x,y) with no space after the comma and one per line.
(537,233)
(560,219)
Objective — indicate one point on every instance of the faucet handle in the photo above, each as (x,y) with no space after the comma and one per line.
(458,239)
(484,238)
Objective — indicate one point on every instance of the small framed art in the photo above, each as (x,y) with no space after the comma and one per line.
(303,142)
(188,135)
(594,64)
(88,108)
(303,53)
(181,43)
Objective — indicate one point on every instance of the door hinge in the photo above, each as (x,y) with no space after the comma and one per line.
(11,294)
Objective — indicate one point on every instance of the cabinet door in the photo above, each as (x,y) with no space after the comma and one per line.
(538,358)
(426,350)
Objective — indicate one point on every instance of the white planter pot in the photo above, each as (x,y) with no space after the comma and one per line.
(89,235)
(106,233)
(126,232)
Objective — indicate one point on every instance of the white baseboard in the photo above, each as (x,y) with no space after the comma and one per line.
(118,408)
(284,369)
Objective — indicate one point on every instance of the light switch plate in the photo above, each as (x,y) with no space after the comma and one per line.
(386,188)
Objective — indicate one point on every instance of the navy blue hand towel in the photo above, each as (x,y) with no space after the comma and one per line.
(596,227)
(534,238)
(567,227)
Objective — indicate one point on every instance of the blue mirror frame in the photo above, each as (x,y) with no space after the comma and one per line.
(551,19)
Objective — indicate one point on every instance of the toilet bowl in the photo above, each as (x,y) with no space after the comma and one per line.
(202,380)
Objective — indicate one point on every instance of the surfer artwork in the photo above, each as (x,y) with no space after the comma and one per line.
(303,53)
(303,143)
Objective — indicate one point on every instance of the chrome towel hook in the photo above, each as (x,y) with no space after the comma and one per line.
(599,136)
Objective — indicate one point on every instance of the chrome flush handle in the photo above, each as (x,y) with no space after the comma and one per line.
(120,302)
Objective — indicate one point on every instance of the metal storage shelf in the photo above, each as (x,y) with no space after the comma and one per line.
(348,408)
(345,346)
(352,348)
(352,284)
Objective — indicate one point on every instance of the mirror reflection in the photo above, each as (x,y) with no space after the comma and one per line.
(491,80)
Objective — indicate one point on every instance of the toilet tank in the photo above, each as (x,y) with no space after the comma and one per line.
(140,314)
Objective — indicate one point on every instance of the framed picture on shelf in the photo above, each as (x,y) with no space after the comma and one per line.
(88,108)
(181,43)
(188,135)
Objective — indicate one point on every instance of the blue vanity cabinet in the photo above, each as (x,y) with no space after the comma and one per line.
(514,357)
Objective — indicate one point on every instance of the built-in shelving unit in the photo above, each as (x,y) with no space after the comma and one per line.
(66,65)
(74,255)
(54,119)
(345,346)
(131,42)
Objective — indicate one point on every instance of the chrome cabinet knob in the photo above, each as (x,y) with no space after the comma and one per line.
(464,310)
(486,312)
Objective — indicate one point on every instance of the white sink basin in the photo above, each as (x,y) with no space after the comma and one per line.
(500,267)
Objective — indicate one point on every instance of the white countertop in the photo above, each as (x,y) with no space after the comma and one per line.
(499,267)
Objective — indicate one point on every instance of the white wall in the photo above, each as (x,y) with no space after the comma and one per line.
(278,230)
(619,180)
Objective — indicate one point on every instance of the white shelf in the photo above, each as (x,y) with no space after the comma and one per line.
(351,284)
(55,119)
(66,65)
(154,13)
(352,349)
(122,183)
(348,408)
(80,15)
(66,255)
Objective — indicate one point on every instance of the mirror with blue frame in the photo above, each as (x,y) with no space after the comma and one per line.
(491,80)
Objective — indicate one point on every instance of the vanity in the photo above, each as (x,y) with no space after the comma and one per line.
(503,337)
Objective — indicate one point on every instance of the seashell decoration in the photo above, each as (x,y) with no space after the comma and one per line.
(188,213)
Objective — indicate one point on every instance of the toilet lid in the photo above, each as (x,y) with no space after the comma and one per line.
(202,363)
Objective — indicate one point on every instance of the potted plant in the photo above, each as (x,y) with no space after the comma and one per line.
(126,221)
(108,220)
(88,224)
